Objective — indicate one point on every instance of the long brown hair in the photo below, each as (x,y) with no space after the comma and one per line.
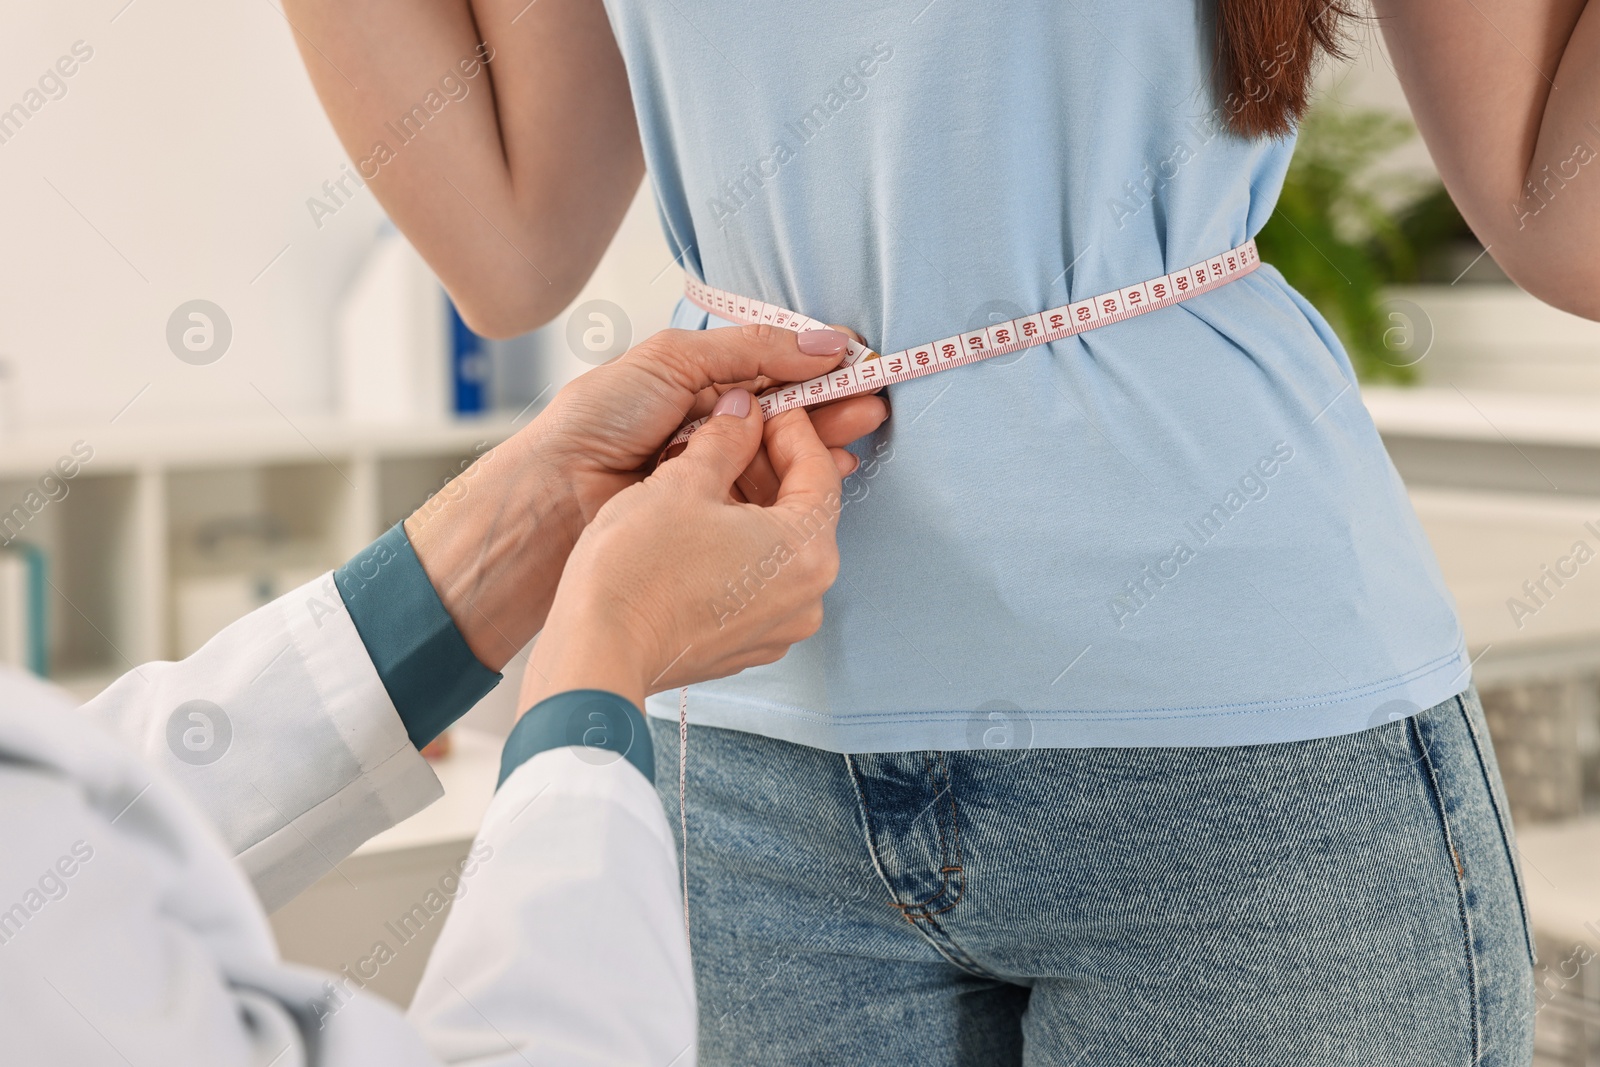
(1266,53)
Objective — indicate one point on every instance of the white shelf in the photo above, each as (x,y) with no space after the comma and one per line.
(130,580)
(132,448)
(1504,484)
(1490,543)
(1481,415)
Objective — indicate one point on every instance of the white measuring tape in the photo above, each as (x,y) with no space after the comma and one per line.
(865,371)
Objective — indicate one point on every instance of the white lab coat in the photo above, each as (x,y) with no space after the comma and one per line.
(130,927)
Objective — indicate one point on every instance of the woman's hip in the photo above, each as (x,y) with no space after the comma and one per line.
(1359,887)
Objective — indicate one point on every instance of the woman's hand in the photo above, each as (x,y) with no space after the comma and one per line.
(677,581)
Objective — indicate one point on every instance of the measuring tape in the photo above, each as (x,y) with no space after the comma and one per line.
(865,371)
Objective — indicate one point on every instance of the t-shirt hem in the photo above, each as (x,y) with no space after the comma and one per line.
(1343,711)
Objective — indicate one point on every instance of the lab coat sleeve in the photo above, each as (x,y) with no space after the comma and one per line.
(567,946)
(283,733)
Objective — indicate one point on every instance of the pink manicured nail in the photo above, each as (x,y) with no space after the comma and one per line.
(735,402)
(822,342)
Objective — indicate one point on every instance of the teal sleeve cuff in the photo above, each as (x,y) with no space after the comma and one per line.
(431,675)
(607,727)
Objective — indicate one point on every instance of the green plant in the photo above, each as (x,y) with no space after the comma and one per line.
(1337,233)
(1437,239)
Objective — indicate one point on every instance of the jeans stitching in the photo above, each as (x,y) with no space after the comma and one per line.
(868,835)
(1503,820)
(924,924)
(877,856)
(946,867)
(1414,727)
(944,871)
(944,943)
(947,948)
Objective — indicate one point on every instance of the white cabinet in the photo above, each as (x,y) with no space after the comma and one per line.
(165,534)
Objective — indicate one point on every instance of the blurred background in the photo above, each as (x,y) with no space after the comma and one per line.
(222,373)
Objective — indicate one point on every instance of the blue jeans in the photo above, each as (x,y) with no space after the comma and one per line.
(1346,900)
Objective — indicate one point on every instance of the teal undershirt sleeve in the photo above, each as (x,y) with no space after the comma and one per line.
(431,675)
(607,726)
(433,678)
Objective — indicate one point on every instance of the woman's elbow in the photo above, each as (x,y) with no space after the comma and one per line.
(499,311)
(1585,305)
(497,320)
(1571,286)
(1548,253)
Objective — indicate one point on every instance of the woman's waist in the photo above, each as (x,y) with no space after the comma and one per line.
(1248,310)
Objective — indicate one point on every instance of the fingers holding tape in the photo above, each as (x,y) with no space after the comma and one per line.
(716,457)
(804,465)
(851,419)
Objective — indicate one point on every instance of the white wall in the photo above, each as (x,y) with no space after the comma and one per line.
(190,141)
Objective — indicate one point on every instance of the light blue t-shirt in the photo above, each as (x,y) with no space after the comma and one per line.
(1179,530)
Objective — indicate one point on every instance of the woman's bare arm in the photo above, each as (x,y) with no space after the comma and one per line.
(1507,96)
(511,191)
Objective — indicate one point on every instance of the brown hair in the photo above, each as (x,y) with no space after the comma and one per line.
(1266,52)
